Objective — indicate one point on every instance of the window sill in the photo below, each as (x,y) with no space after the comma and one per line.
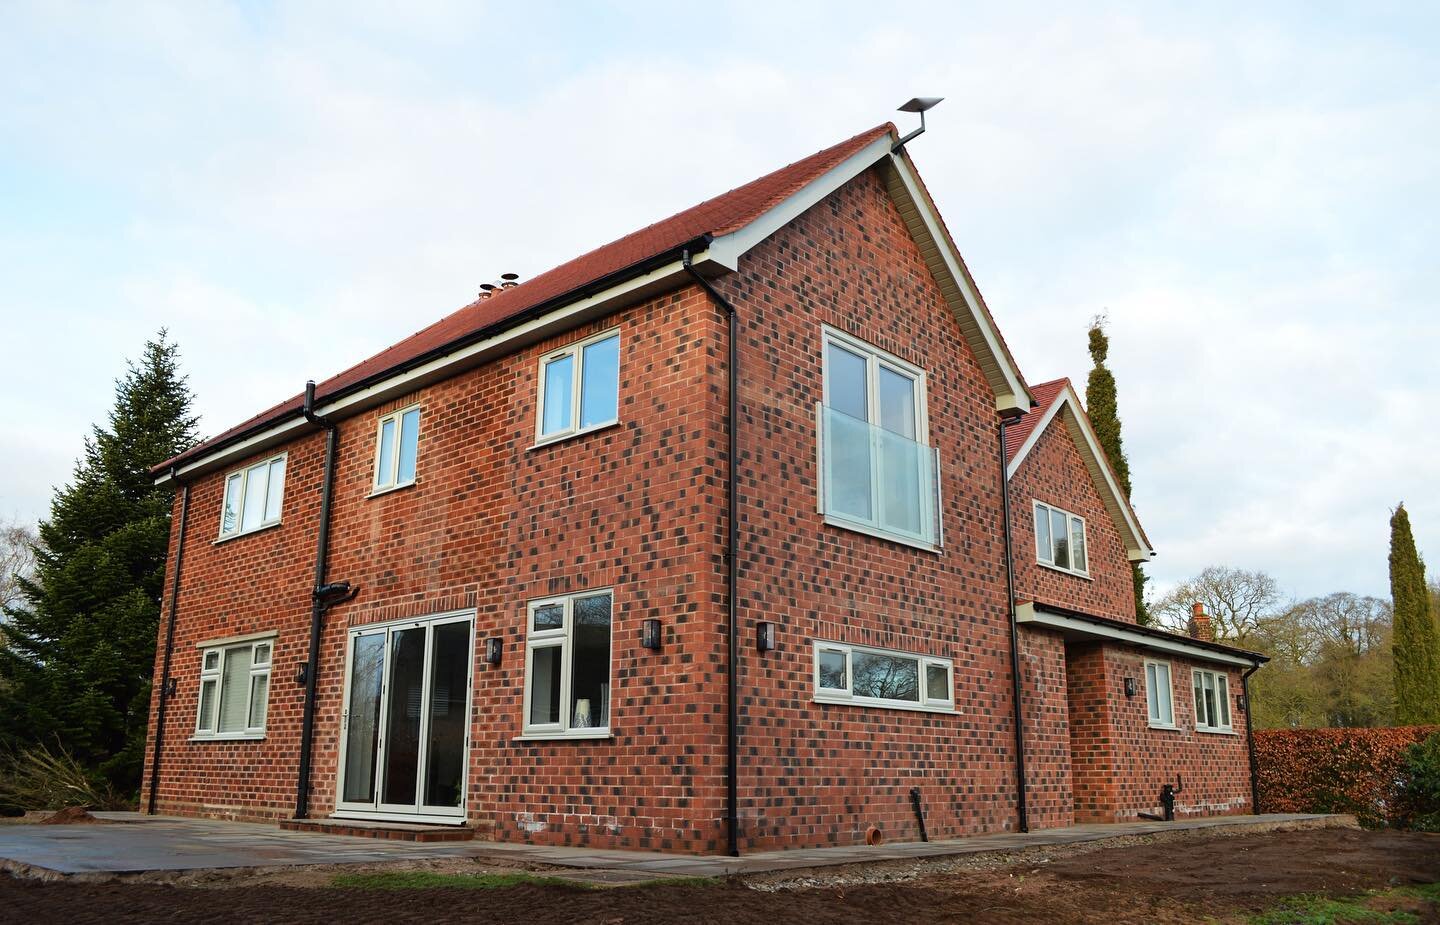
(391,489)
(598,734)
(1064,571)
(1214,731)
(230,737)
(879,705)
(1163,727)
(235,536)
(572,434)
(900,539)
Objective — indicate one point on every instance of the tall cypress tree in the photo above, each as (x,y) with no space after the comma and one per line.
(1102,405)
(1417,640)
(81,649)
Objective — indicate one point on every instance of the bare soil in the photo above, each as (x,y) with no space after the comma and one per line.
(72,815)
(1164,881)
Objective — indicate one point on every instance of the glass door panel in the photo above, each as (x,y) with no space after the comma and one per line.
(404,695)
(448,717)
(362,718)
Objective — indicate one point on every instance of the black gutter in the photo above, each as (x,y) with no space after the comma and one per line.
(732,564)
(1250,740)
(541,308)
(1020,804)
(169,647)
(320,597)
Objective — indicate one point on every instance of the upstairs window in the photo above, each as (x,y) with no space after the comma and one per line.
(396,443)
(253,497)
(1158,695)
(1212,701)
(234,690)
(567,666)
(877,474)
(1060,539)
(580,387)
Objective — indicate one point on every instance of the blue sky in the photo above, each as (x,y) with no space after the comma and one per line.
(1249,193)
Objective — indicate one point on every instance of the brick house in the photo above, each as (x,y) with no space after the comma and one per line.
(696,543)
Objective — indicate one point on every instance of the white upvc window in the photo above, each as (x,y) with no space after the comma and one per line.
(397,441)
(1212,701)
(1060,540)
(878,474)
(579,388)
(1159,697)
(234,690)
(865,676)
(253,496)
(567,666)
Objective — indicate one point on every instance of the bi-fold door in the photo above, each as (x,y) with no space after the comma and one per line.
(405,724)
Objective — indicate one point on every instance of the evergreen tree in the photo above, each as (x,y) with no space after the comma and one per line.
(81,643)
(1102,405)
(1417,640)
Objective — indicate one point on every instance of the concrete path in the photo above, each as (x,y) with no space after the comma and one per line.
(135,843)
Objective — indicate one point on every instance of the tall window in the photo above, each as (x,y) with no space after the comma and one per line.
(253,497)
(1060,539)
(877,473)
(882,678)
(396,443)
(580,387)
(1212,701)
(1158,694)
(234,690)
(567,665)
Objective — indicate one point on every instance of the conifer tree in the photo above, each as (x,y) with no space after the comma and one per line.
(81,643)
(1102,404)
(1417,640)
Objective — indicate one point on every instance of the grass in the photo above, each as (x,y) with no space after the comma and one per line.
(1376,908)
(429,880)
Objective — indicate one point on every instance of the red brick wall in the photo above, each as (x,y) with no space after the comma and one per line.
(1049,795)
(1055,473)
(1092,746)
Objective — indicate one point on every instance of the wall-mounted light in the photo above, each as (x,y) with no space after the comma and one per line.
(171,686)
(1242,702)
(650,634)
(765,636)
(492,650)
(1130,687)
(302,674)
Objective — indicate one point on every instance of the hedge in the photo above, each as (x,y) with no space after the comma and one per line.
(1353,771)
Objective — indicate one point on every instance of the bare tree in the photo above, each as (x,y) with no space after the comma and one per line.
(17,560)
(1239,603)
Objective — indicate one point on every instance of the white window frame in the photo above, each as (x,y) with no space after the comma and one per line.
(1221,681)
(577,352)
(1158,721)
(1069,525)
(243,474)
(211,732)
(397,417)
(565,639)
(876,359)
(847,696)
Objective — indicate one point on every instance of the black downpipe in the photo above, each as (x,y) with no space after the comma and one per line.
(732,565)
(169,646)
(1020,804)
(319,601)
(1250,740)
(919,812)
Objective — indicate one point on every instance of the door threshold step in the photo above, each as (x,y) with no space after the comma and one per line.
(394,831)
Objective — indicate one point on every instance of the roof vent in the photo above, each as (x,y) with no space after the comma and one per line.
(506,281)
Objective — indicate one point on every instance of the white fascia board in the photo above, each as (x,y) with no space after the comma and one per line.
(1027,615)
(444,366)
(727,249)
(1019,398)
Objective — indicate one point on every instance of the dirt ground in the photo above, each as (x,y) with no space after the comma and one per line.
(1160,881)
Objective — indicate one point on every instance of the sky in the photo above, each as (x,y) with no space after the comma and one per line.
(1247,192)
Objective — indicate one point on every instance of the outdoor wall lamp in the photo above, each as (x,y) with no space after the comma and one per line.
(302,674)
(1129,687)
(765,637)
(1242,702)
(650,634)
(171,686)
(492,650)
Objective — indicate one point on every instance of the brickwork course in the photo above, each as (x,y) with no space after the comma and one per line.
(495,521)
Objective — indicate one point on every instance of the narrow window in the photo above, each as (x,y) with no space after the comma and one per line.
(1158,694)
(882,677)
(1060,540)
(253,497)
(1212,701)
(580,387)
(396,443)
(234,690)
(567,689)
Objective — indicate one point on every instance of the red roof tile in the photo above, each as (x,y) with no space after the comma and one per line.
(721,215)
(1016,434)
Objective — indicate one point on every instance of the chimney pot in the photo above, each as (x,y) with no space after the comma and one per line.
(1200,625)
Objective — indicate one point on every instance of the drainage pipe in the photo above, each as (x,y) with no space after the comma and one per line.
(319,601)
(1250,739)
(169,646)
(732,563)
(1020,803)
